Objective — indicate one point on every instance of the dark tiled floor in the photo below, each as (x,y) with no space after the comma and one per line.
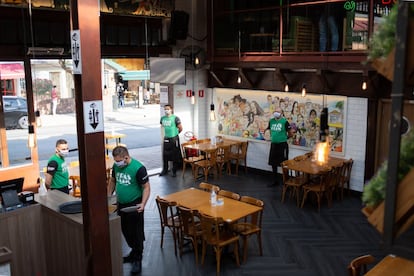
(295,241)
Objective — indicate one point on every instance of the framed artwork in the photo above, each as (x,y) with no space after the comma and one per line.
(246,113)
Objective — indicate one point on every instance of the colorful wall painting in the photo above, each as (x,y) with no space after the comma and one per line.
(246,113)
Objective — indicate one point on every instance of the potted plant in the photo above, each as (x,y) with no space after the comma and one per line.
(374,191)
(381,51)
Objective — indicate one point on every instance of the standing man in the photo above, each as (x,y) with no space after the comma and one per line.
(121,95)
(57,174)
(279,149)
(131,183)
(54,96)
(171,126)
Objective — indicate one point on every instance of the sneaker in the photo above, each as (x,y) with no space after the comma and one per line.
(136,267)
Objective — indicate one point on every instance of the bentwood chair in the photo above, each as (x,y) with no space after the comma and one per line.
(229,194)
(190,229)
(208,187)
(358,266)
(169,219)
(208,164)
(324,187)
(292,181)
(189,156)
(223,159)
(218,237)
(346,176)
(252,225)
(76,185)
(238,153)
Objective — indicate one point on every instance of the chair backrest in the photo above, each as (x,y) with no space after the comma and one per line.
(185,151)
(255,218)
(76,185)
(166,210)
(211,228)
(229,194)
(205,140)
(187,220)
(208,187)
(223,154)
(359,265)
(348,169)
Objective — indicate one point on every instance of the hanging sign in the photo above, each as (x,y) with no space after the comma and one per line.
(76,52)
(93,116)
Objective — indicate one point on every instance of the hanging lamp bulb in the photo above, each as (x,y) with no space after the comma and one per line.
(197,61)
(364,85)
(212,113)
(239,79)
(286,87)
(304,90)
(192,97)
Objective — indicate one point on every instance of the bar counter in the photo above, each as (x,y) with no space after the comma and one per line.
(44,241)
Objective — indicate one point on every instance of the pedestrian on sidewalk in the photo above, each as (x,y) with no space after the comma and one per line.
(171,126)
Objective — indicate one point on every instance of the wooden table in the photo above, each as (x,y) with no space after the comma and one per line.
(312,167)
(113,136)
(392,265)
(231,210)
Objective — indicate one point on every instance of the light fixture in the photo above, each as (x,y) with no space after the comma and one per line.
(239,80)
(364,85)
(286,87)
(31,142)
(303,90)
(212,113)
(38,119)
(192,97)
(197,61)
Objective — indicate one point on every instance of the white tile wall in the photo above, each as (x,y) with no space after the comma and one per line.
(196,118)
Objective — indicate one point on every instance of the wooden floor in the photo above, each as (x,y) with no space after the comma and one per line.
(295,241)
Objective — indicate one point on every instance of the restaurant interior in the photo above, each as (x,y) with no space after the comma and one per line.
(239,60)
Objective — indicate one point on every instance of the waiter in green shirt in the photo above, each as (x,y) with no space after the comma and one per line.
(279,148)
(57,174)
(171,126)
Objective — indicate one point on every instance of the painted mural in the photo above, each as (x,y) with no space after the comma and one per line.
(247,115)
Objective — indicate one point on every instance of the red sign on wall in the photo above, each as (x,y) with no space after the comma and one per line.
(201,93)
(188,93)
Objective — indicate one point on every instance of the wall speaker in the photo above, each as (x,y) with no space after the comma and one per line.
(179,25)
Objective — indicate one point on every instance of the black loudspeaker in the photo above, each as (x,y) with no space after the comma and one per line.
(179,25)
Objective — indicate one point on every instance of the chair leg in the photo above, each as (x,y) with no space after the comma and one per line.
(195,246)
(259,241)
(305,194)
(162,237)
(236,252)
(218,258)
(245,249)
(203,252)
(283,193)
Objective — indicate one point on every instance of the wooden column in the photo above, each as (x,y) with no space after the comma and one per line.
(85,18)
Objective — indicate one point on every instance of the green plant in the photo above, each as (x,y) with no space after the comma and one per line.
(374,190)
(383,39)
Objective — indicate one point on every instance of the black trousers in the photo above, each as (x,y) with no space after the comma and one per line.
(132,226)
(171,152)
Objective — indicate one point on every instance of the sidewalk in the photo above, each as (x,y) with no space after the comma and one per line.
(148,114)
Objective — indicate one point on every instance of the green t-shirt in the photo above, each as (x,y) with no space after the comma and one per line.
(278,132)
(170,125)
(127,187)
(57,167)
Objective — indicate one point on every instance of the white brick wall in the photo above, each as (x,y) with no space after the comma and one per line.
(258,151)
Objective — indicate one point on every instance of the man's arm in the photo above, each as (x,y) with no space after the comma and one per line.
(50,171)
(111,186)
(145,195)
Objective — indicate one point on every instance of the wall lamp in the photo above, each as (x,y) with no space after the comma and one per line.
(304,90)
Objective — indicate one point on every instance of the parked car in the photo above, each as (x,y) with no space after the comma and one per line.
(15,112)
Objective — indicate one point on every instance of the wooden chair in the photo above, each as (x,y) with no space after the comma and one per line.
(169,219)
(223,159)
(189,158)
(359,264)
(190,229)
(208,187)
(229,194)
(324,187)
(218,237)
(292,181)
(252,225)
(76,185)
(206,165)
(238,153)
